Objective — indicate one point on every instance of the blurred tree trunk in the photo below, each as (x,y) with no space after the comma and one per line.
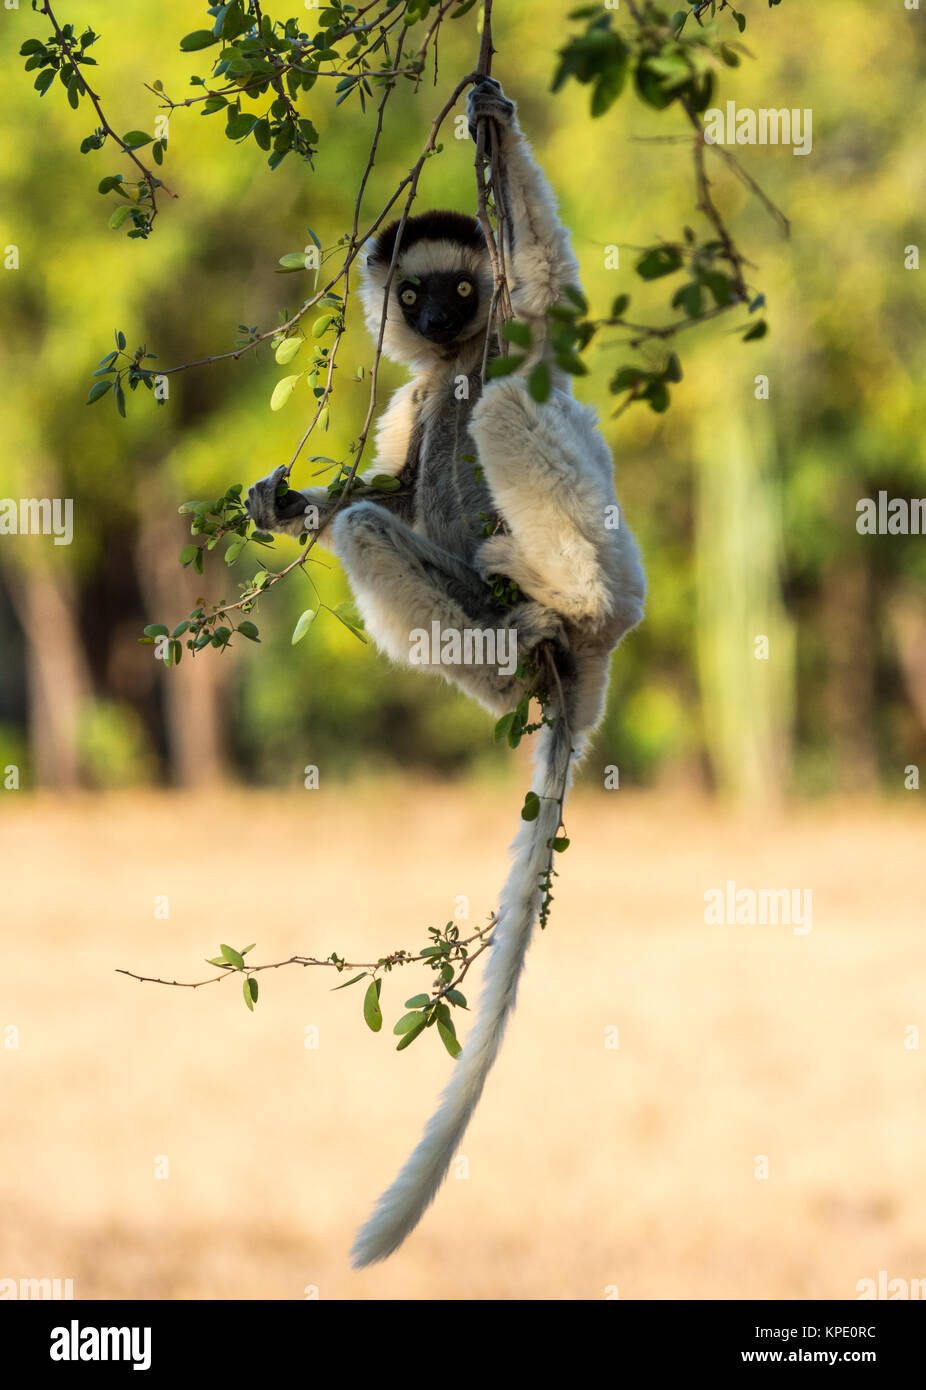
(747,701)
(909,625)
(194,691)
(849,692)
(57,677)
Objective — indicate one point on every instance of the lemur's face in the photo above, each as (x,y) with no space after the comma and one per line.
(440,293)
(440,305)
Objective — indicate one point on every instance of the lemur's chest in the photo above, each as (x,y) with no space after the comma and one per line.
(452,500)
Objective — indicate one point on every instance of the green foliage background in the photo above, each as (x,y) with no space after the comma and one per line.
(745,509)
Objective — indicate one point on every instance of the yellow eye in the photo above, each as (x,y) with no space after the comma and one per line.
(465,288)
(408,297)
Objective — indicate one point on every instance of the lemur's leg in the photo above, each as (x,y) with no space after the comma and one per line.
(549,470)
(541,260)
(404,583)
(292,513)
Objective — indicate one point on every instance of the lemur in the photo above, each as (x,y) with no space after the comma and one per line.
(542,489)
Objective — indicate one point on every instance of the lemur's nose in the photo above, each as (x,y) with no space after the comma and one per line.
(434,321)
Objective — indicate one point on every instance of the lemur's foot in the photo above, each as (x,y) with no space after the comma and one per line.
(486,99)
(270,503)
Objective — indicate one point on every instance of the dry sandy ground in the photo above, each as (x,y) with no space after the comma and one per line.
(590,1167)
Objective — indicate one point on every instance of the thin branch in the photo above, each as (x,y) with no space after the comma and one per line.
(397,958)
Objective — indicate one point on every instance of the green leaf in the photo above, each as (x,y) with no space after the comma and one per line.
(239,124)
(249,988)
(620,306)
(44,81)
(418,1001)
(448,1038)
(690,298)
(457,998)
(157,630)
(303,625)
(758,330)
(720,286)
(627,378)
(321,325)
(282,391)
(371,1010)
(287,350)
(233,957)
(503,726)
(235,549)
(347,983)
(538,383)
(200,38)
(531,808)
(349,625)
(658,396)
(119,216)
(385,482)
(570,362)
(609,86)
(249,630)
(518,333)
(188,554)
(134,139)
(98,389)
(293,260)
(408,1021)
(504,366)
(412,1034)
(650,88)
(560,844)
(659,261)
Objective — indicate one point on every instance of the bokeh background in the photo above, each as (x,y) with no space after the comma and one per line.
(591,1166)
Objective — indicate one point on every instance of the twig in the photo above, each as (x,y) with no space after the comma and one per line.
(150,178)
(482,935)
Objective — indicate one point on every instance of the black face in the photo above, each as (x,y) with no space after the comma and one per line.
(440,306)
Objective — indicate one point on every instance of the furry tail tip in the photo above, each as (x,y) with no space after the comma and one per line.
(402,1205)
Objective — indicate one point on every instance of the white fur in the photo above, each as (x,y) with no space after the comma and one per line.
(402,1205)
(551,476)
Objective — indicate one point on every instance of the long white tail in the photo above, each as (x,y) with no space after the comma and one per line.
(402,1205)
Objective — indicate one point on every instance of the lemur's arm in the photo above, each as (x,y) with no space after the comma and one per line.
(541,260)
(274,507)
(397,440)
